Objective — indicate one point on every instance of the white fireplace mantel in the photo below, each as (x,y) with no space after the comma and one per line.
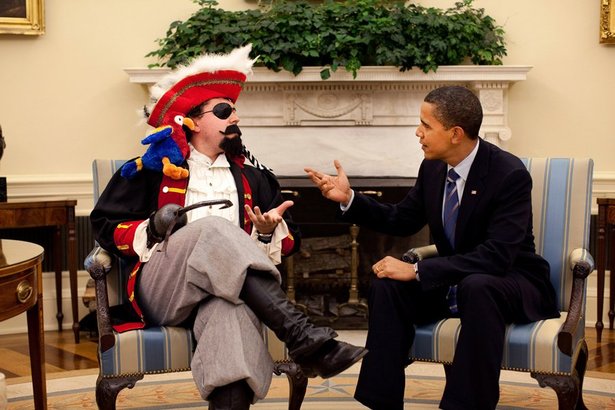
(361,121)
(459,73)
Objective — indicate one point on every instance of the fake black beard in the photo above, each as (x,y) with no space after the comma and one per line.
(233,147)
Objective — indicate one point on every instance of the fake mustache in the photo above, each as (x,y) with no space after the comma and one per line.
(232,129)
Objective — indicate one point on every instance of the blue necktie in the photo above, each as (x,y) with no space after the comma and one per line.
(451,207)
(449,220)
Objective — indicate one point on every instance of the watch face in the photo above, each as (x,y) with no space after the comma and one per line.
(264,237)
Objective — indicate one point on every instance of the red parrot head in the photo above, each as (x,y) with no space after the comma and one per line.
(177,122)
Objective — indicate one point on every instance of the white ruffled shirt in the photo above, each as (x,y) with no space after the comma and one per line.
(213,181)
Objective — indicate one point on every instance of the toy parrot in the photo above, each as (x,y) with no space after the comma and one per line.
(168,148)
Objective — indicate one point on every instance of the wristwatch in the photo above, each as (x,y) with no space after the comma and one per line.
(416,270)
(264,237)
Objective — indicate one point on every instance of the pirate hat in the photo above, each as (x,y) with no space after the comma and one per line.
(206,77)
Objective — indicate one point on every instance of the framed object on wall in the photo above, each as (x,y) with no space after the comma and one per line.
(22,17)
(607,21)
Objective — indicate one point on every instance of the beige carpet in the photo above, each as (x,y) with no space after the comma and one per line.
(424,385)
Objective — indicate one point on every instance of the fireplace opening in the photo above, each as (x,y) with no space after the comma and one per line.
(329,277)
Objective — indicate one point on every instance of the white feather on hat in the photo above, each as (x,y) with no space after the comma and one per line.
(237,60)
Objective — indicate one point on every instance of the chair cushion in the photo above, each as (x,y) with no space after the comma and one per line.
(163,349)
(528,347)
(152,350)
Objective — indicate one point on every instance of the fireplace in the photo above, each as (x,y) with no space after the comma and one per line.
(329,276)
(368,123)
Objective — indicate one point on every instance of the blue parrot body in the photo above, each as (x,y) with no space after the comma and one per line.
(166,152)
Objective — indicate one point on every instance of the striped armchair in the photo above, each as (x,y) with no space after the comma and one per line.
(125,358)
(553,351)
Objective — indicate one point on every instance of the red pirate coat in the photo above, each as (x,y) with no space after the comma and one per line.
(126,203)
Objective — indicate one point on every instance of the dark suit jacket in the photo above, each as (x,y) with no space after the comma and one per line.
(494,226)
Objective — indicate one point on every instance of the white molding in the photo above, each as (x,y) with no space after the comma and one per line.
(603,187)
(34,187)
(465,73)
(79,186)
(604,182)
(39,187)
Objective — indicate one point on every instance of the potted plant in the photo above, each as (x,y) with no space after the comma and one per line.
(290,35)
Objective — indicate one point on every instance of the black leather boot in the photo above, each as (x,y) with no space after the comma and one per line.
(331,359)
(311,347)
(234,396)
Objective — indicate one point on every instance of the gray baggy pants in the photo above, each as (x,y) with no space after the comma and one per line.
(204,268)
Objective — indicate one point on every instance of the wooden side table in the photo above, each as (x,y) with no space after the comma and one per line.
(21,290)
(59,214)
(606,226)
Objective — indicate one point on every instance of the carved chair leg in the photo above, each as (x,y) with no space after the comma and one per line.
(566,388)
(580,368)
(297,382)
(107,389)
(569,389)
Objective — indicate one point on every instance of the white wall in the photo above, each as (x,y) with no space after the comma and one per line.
(65,99)
(565,108)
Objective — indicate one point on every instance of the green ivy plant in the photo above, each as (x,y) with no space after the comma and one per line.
(289,35)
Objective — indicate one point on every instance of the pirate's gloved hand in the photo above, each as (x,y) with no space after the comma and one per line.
(161,220)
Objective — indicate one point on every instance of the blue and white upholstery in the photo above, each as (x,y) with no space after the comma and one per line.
(561,200)
(126,357)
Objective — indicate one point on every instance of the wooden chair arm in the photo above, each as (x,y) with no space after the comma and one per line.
(417,254)
(98,263)
(582,264)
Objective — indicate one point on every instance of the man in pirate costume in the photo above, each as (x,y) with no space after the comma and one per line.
(216,273)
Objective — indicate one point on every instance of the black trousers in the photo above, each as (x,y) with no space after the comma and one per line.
(486,304)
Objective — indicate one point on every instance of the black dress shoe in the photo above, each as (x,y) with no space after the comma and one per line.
(331,359)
